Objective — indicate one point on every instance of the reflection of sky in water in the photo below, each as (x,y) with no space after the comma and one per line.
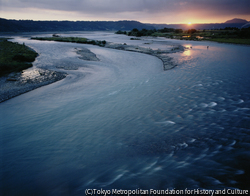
(187,45)
(193,51)
(30,74)
(186,53)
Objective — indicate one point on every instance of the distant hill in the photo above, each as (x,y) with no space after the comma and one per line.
(236,20)
(198,26)
(55,26)
(45,26)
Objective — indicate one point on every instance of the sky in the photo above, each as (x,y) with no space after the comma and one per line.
(146,11)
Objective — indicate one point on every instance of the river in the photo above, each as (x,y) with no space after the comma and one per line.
(124,123)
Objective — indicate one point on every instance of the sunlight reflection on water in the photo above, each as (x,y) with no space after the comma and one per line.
(187,52)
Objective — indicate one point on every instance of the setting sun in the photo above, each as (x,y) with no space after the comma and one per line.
(189,23)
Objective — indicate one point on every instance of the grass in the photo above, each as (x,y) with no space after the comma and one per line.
(15,57)
(226,35)
(207,36)
(231,40)
(72,40)
(159,34)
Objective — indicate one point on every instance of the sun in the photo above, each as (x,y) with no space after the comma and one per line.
(189,23)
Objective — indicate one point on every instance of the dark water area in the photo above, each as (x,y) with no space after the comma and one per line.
(124,123)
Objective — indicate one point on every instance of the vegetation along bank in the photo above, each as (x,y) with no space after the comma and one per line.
(227,35)
(15,57)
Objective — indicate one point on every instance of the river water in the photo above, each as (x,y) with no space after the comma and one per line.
(122,122)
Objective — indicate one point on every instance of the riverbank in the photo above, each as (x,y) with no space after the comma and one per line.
(227,35)
(86,55)
(16,78)
(231,41)
(18,83)
(15,57)
(167,61)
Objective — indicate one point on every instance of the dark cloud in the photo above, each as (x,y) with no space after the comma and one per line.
(229,6)
(139,7)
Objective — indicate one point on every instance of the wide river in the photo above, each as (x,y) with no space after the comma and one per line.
(122,122)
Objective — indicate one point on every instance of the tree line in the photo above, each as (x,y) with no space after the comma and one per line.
(226,32)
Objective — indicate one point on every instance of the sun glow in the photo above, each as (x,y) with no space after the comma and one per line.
(189,23)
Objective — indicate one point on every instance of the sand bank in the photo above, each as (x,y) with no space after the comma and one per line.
(18,83)
(168,62)
(86,54)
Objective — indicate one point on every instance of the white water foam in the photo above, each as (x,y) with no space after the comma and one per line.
(242,109)
(184,145)
(204,105)
(221,98)
(212,104)
(113,93)
(197,85)
(168,122)
(116,178)
(240,101)
(150,166)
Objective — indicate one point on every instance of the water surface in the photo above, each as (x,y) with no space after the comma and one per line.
(123,122)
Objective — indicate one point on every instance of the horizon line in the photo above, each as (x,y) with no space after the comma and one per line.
(117,21)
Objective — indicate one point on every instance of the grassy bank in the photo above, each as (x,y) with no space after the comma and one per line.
(15,57)
(231,40)
(72,40)
(226,35)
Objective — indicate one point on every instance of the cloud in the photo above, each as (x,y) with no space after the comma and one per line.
(134,9)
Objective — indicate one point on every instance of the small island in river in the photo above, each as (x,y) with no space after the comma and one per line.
(15,78)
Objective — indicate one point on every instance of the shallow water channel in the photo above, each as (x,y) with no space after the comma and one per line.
(122,122)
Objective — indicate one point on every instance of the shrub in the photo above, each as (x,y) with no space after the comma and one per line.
(178,31)
(191,31)
(15,57)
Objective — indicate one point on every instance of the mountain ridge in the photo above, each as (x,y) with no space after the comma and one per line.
(124,25)
(237,20)
(46,26)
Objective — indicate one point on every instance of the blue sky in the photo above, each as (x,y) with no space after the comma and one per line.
(147,11)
